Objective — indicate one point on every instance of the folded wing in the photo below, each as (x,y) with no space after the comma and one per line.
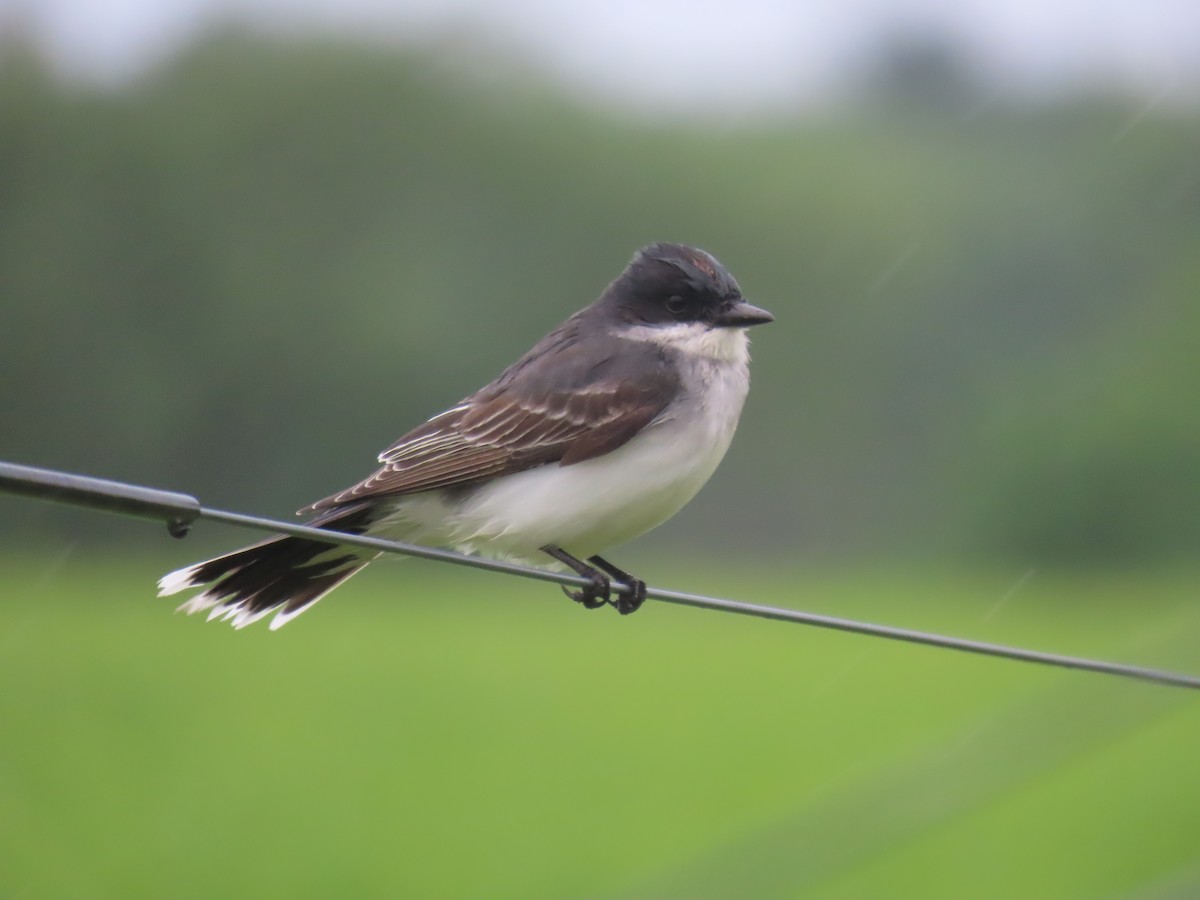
(507,428)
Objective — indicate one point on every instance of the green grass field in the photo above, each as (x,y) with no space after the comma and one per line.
(434,733)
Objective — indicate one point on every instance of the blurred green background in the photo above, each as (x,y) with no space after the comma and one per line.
(244,273)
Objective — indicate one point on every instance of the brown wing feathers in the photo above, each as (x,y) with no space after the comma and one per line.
(525,419)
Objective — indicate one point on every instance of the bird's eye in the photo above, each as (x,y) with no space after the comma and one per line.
(676,305)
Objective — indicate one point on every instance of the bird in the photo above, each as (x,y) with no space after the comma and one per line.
(605,429)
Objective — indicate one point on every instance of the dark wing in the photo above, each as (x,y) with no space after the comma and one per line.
(603,399)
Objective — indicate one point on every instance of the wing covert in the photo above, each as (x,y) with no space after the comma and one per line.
(503,430)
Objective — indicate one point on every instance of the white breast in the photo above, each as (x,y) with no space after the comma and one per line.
(591,506)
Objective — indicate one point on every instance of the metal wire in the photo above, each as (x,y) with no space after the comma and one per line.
(179,511)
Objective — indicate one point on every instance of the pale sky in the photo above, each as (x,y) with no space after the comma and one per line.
(686,53)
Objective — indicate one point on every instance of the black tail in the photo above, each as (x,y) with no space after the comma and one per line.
(288,574)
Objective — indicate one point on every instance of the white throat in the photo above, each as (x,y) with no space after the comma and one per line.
(729,345)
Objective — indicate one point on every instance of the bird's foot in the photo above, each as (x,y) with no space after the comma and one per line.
(594,595)
(626,602)
(598,592)
(632,602)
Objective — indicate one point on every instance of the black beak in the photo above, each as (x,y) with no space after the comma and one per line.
(742,315)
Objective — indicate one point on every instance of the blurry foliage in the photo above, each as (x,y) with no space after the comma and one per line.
(246,274)
(442,733)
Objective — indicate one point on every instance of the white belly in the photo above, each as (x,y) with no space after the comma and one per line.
(591,506)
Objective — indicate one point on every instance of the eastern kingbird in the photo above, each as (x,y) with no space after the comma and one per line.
(602,431)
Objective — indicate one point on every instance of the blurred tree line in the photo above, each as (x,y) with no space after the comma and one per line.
(244,275)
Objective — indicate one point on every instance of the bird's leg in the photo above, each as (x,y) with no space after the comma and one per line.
(625,603)
(594,595)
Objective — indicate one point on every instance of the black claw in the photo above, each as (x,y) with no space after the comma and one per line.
(625,603)
(632,602)
(598,592)
(595,595)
